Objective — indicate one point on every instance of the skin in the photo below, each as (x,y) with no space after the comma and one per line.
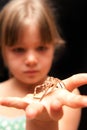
(29,61)
(32,57)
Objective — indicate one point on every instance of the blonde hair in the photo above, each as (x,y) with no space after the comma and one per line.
(14,14)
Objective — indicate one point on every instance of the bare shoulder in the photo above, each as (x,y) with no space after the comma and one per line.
(4,83)
(4,87)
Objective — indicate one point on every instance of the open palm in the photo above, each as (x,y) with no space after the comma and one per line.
(50,107)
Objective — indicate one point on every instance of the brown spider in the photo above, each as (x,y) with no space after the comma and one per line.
(48,86)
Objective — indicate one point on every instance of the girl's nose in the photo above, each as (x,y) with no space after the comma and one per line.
(31,59)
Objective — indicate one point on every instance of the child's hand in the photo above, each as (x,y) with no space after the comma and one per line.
(50,107)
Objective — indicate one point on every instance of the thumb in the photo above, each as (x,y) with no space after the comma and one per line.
(75,81)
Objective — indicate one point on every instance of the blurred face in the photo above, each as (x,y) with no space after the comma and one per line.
(29,61)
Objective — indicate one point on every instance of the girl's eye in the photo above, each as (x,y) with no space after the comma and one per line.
(42,48)
(18,50)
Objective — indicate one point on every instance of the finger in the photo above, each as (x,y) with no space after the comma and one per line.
(36,111)
(75,81)
(56,111)
(53,106)
(14,102)
(70,99)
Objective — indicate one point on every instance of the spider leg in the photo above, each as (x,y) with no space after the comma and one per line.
(60,85)
(46,90)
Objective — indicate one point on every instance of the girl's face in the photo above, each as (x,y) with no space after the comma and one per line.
(29,61)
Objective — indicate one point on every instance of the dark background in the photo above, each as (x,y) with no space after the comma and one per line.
(73,25)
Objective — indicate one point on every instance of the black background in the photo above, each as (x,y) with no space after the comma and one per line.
(74,60)
(74,26)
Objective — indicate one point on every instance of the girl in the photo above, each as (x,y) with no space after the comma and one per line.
(28,40)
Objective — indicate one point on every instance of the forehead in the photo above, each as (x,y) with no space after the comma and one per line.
(30,33)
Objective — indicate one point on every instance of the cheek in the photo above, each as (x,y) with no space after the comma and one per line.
(14,67)
(7,57)
(47,61)
(11,61)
